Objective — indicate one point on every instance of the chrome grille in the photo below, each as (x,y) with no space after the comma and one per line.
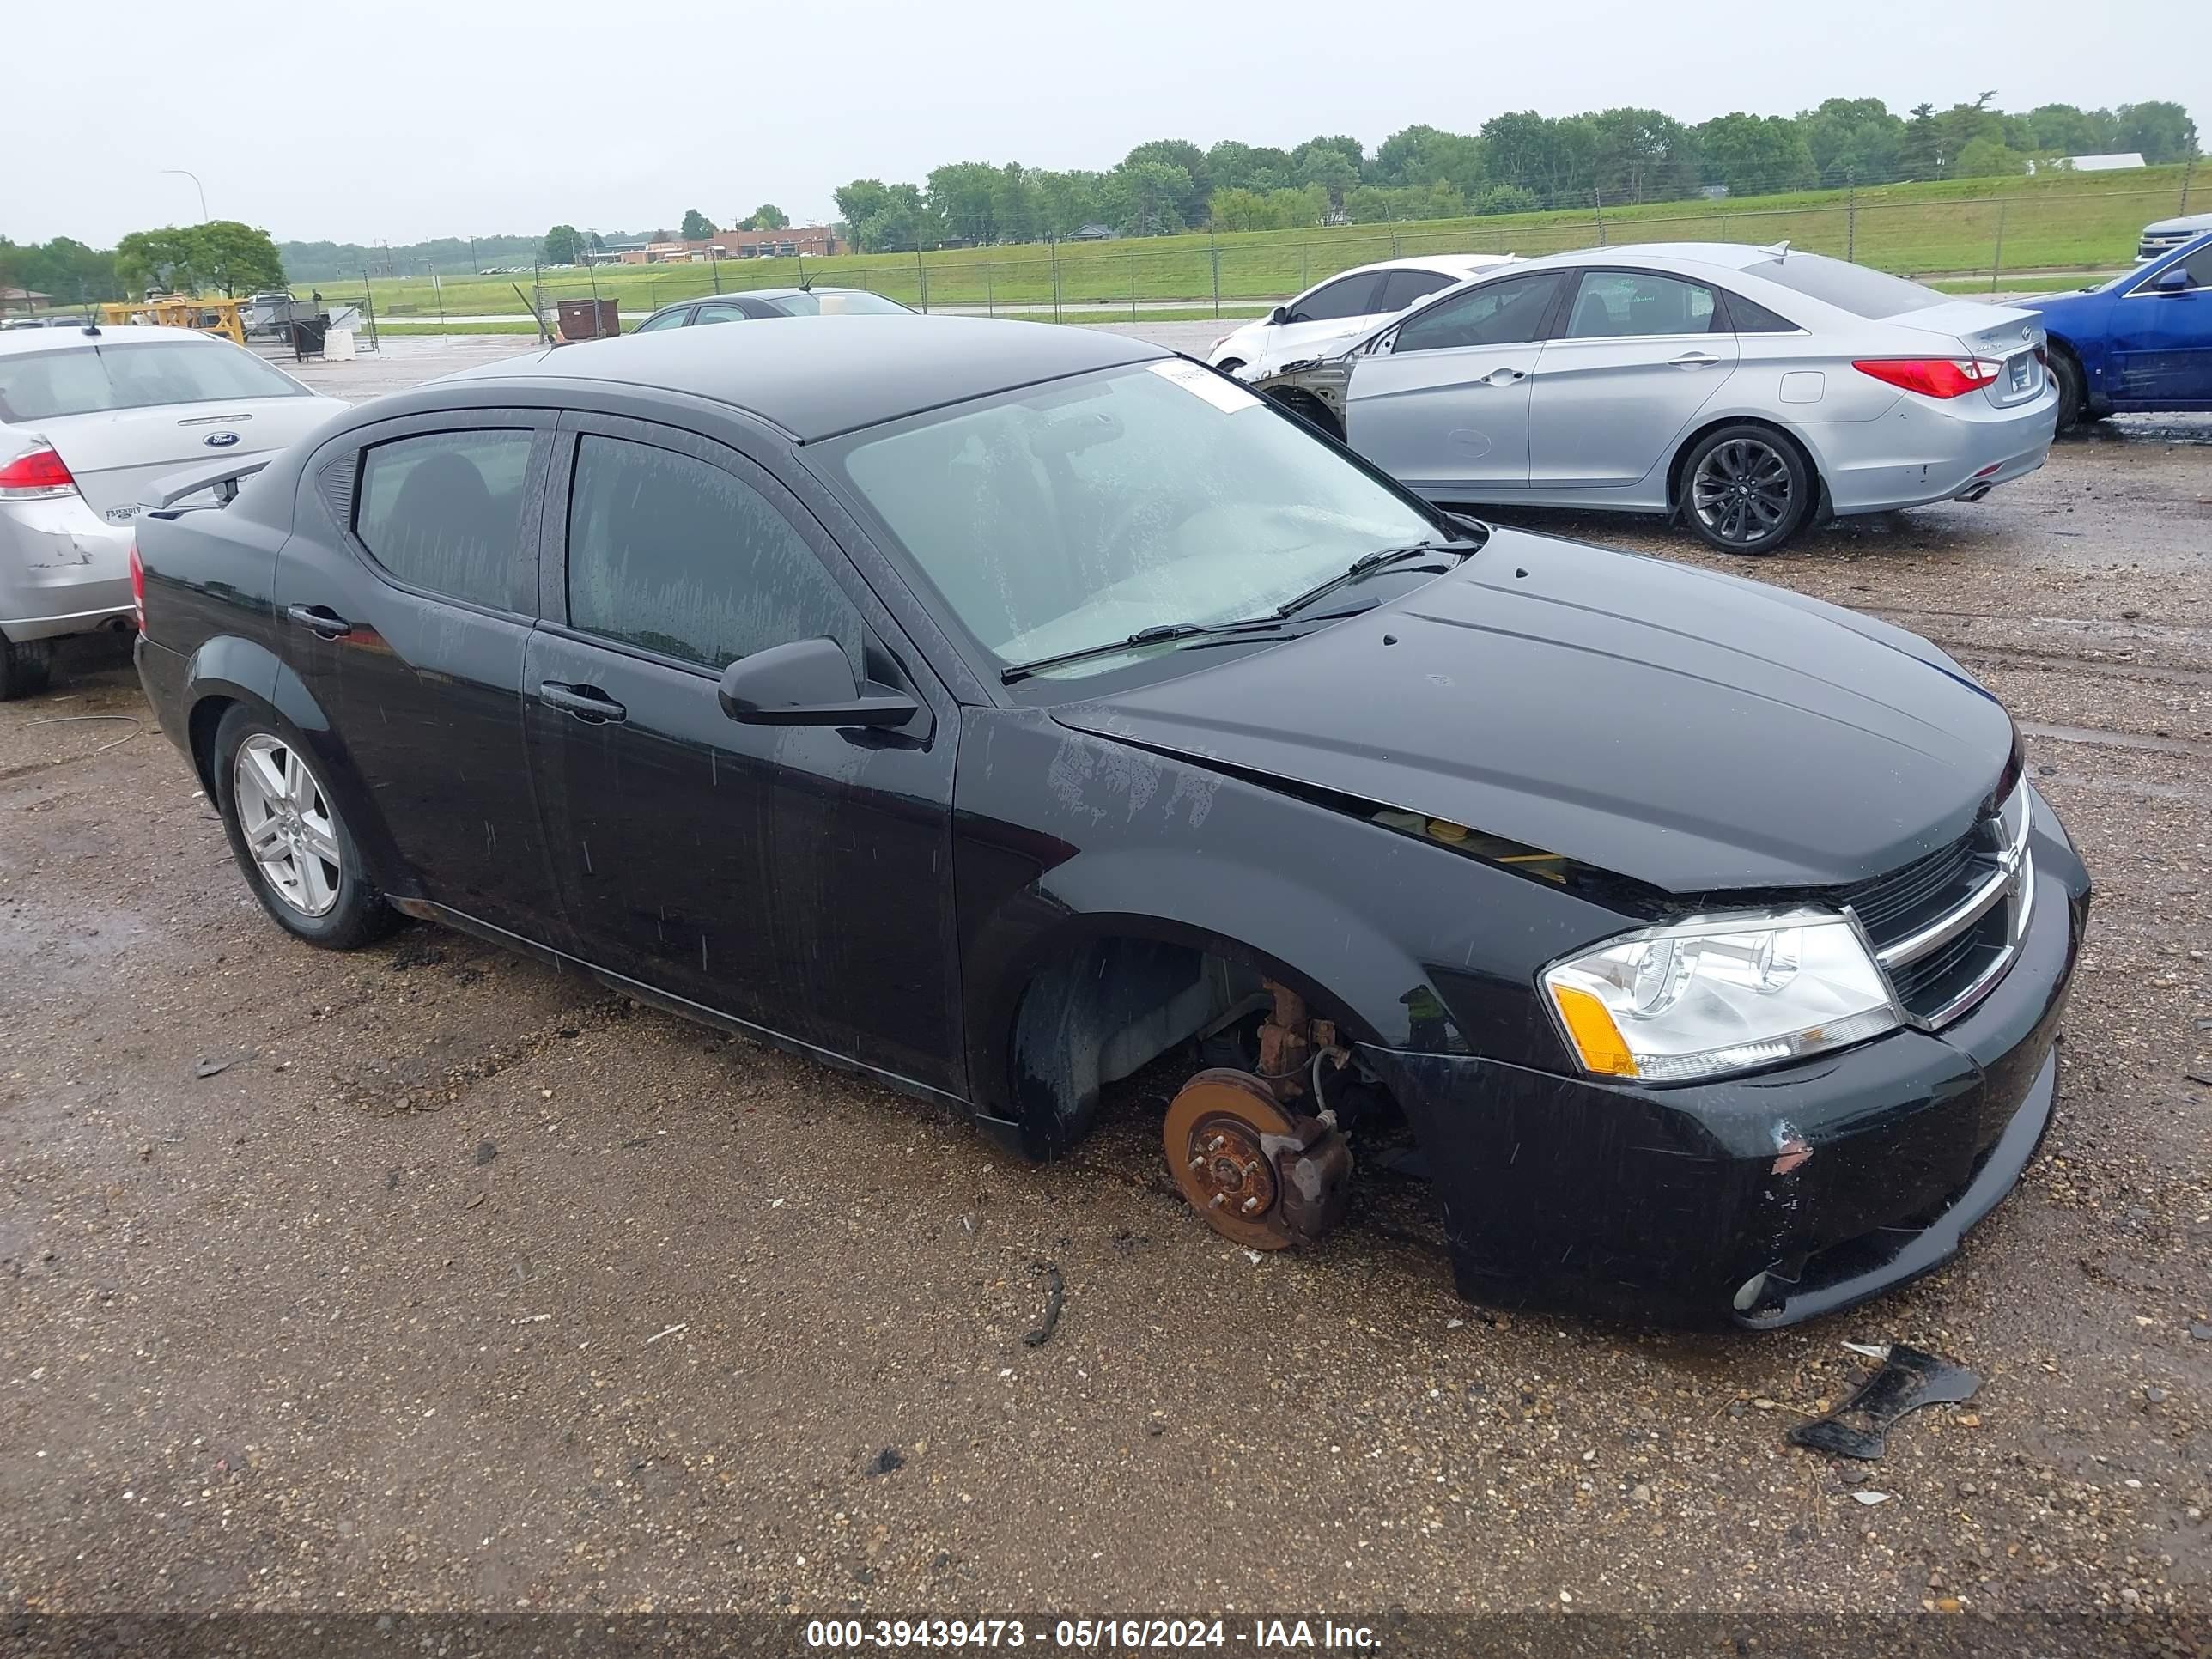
(1944,928)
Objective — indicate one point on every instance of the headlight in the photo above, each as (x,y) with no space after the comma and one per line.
(1718,994)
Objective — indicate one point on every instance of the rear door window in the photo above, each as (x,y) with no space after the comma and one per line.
(665,319)
(1401,288)
(443,511)
(1623,304)
(718,314)
(675,555)
(1351,296)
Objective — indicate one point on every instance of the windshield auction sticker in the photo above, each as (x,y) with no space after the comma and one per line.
(1202,382)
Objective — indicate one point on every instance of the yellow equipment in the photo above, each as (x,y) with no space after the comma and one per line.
(205,316)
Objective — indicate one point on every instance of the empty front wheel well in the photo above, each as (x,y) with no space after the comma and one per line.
(1310,409)
(1689,446)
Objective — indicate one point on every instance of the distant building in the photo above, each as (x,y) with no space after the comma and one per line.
(815,241)
(1091,233)
(25,299)
(2120,162)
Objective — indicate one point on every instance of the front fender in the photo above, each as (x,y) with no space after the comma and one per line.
(1066,836)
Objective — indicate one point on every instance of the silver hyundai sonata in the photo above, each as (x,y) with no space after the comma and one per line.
(1745,390)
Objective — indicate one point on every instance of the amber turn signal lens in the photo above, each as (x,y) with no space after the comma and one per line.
(1597,1039)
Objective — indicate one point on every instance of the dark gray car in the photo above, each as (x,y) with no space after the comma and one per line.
(771,302)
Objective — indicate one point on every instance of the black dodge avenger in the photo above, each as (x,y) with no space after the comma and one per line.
(997,709)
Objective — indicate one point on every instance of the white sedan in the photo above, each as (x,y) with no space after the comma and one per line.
(1345,305)
(89,418)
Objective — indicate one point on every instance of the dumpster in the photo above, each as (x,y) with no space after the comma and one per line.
(589,320)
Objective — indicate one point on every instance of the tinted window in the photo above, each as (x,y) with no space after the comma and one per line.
(1852,288)
(1497,314)
(717,314)
(675,555)
(663,319)
(443,512)
(1351,297)
(1401,288)
(1745,316)
(1611,303)
(123,374)
(2199,267)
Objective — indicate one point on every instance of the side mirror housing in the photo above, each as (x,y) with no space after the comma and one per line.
(2174,279)
(1278,316)
(808,683)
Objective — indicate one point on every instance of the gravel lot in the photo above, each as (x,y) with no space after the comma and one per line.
(429,1279)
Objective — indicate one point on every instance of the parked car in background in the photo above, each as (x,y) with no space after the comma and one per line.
(1742,389)
(1343,307)
(87,420)
(996,708)
(760,302)
(2168,234)
(2139,342)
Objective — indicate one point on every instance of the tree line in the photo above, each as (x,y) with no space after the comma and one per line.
(1514,162)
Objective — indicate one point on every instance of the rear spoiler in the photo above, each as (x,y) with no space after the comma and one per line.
(223,477)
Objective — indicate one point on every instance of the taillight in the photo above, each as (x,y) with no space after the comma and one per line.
(1932,377)
(138,587)
(38,472)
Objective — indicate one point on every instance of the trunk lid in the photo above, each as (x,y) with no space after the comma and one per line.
(2004,335)
(116,454)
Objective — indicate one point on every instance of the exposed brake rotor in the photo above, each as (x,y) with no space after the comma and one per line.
(1258,1175)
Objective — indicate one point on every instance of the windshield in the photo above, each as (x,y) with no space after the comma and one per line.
(862,304)
(1082,512)
(1855,288)
(93,378)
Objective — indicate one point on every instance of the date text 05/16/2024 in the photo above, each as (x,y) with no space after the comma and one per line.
(1093,1635)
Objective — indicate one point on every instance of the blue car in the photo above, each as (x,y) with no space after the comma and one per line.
(2142,341)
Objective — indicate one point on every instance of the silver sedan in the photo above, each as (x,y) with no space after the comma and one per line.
(1744,390)
(89,418)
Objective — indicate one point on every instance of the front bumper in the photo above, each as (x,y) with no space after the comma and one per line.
(1923,451)
(1834,1180)
(64,569)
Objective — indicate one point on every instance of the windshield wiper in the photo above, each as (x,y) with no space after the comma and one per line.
(1157,634)
(1367,563)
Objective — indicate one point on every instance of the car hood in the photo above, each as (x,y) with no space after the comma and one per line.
(1694,731)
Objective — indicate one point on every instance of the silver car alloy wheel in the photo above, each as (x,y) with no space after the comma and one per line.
(1742,491)
(290,832)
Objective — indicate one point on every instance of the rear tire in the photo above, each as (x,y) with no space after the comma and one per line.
(289,838)
(1746,489)
(26,667)
(2073,392)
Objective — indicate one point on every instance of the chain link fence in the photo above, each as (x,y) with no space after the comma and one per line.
(2023,234)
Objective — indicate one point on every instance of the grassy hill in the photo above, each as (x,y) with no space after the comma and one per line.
(2055,222)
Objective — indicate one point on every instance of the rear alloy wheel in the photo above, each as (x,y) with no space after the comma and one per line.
(1746,489)
(288,837)
(25,667)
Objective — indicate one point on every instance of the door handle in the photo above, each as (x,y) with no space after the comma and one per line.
(587,702)
(1502,377)
(1693,359)
(326,622)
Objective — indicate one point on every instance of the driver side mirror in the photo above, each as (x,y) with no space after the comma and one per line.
(1278,316)
(808,683)
(2174,279)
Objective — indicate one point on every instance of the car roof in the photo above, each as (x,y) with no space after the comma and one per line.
(816,377)
(51,339)
(1459,262)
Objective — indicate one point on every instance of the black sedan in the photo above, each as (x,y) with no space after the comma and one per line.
(998,709)
(756,303)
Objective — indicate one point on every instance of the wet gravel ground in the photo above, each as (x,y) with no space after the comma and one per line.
(428,1278)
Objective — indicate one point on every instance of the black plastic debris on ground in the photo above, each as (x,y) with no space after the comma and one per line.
(1056,1293)
(1908,1380)
(886,1462)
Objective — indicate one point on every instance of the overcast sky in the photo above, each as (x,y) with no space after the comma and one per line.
(401,119)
